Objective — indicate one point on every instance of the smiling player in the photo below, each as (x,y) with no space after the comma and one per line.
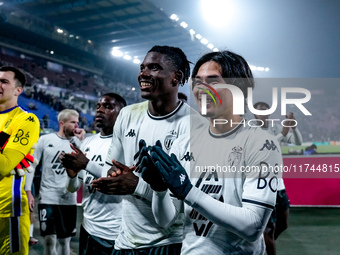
(162,117)
(225,211)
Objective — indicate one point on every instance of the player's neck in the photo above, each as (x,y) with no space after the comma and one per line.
(163,107)
(7,105)
(224,128)
(61,134)
(106,132)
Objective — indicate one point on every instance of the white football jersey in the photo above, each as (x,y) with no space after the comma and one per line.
(102,213)
(53,174)
(220,166)
(139,229)
(294,137)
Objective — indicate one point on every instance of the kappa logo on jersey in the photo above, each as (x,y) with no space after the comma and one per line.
(56,164)
(169,139)
(188,156)
(50,145)
(269,146)
(30,119)
(131,133)
(87,149)
(235,156)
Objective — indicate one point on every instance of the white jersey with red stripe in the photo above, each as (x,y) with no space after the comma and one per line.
(230,168)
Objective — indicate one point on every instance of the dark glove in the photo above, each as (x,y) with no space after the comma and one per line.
(172,172)
(148,170)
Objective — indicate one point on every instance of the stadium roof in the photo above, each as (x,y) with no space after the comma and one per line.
(95,26)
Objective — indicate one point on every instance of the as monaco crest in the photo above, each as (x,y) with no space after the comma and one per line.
(169,139)
(235,156)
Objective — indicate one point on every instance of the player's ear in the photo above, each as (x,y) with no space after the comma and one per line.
(177,78)
(18,91)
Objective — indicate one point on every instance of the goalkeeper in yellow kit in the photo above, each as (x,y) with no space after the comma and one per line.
(19,131)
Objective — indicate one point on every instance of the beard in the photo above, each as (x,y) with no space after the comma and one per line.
(68,132)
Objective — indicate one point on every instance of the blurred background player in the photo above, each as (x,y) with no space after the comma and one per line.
(311,150)
(281,133)
(162,117)
(101,213)
(19,131)
(225,211)
(57,206)
(279,219)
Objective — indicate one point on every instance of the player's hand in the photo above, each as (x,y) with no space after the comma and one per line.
(71,173)
(148,170)
(75,160)
(30,200)
(79,133)
(174,175)
(289,122)
(123,184)
(292,121)
(115,171)
(25,163)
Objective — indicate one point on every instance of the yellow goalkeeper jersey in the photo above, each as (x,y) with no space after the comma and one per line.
(23,131)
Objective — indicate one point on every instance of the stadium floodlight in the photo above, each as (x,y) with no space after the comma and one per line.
(51,52)
(127,57)
(133,89)
(204,41)
(219,12)
(266,69)
(116,52)
(136,61)
(1,3)
(60,31)
(215,49)
(192,32)
(199,37)
(173,16)
(184,24)
(260,68)
(210,46)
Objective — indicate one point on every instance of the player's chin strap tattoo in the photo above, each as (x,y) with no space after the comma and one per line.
(172,172)
(146,167)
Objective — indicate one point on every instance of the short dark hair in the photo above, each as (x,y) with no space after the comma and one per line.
(261,103)
(235,69)
(177,57)
(118,98)
(18,74)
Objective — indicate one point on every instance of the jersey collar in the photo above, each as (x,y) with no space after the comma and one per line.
(168,115)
